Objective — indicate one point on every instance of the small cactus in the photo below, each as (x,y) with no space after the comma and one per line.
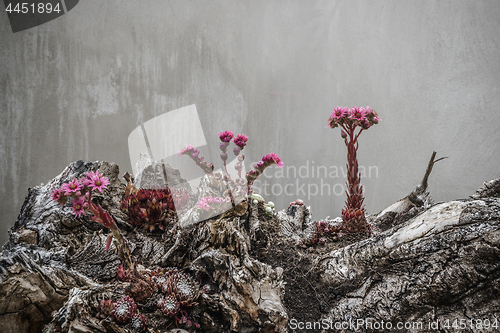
(124,309)
(160,275)
(123,274)
(104,308)
(185,288)
(169,305)
(153,209)
(138,322)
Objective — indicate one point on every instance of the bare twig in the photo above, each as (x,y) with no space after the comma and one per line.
(424,183)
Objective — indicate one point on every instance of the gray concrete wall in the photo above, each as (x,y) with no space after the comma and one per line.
(74,88)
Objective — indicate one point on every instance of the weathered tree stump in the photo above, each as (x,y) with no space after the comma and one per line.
(437,264)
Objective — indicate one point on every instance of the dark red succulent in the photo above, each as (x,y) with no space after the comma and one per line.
(150,209)
(184,287)
(123,274)
(140,288)
(104,308)
(138,322)
(169,305)
(160,275)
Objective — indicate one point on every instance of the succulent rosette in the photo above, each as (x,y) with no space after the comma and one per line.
(138,322)
(105,307)
(124,310)
(169,305)
(151,209)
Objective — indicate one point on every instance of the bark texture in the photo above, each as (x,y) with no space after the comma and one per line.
(429,263)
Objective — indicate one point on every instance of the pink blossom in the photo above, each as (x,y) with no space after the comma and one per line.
(368,111)
(259,165)
(78,206)
(204,206)
(186,150)
(223,146)
(85,181)
(241,140)
(195,153)
(339,112)
(91,174)
(98,182)
(357,114)
(71,187)
(272,158)
(226,136)
(56,194)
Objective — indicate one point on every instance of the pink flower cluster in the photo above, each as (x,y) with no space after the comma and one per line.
(267,160)
(80,190)
(240,141)
(239,187)
(194,154)
(364,117)
(226,136)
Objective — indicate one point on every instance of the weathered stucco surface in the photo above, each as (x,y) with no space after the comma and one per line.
(75,88)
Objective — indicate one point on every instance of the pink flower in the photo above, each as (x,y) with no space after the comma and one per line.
(368,111)
(186,150)
(205,202)
(78,206)
(337,117)
(272,158)
(226,136)
(357,114)
(241,140)
(91,174)
(195,153)
(71,187)
(98,182)
(339,112)
(259,165)
(85,181)
(365,124)
(204,206)
(56,195)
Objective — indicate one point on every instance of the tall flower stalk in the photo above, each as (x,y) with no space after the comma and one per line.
(240,187)
(353,121)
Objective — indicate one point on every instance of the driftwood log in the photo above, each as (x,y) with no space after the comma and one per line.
(438,264)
